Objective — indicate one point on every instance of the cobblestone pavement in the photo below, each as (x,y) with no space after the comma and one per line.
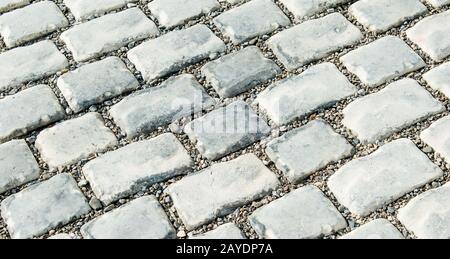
(225,119)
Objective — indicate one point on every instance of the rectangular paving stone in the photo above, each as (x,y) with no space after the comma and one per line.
(96,82)
(250,20)
(28,110)
(318,87)
(108,33)
(7,5)
(438,3)
(174,51)
(376,229)
(369,183)
(432,34)
(125,171)
(439,78)
(226,130)
(313,40)
(143,218)
(428,215)
(28,23)
(382,60)
(17,165)
(305,150)
(88,9)
(398,106)
(43,206)
(302,214)
(220,189)
(304,8)
(239,72)
(225,231)
(438,137)
(155,107)
(171,13)
(35,62)
(382,15)
(74,140)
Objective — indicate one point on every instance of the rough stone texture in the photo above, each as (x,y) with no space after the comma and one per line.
(142,218)
(382,60)
(218,190)
(376,229)
(239,72)
(7,5)
(174,99)
(88,9)
(304,8)
(175,50)
(437,136)
(226,231)
(318,87)
(392,109)
(439,78)
(226,130)
(368,183)
(302,214)
(438,3)
(96,82)
(127,170)
(74,140)
(43,206)
(61,236)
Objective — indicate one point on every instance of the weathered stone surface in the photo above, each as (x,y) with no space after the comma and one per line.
(376,229)
(382,60)
(239,72)
(142,218)
(369,183)
(438,3)
(151,108)
(61,236)
(399,105)
(7,5)
(74,140)
(226,231)
(437,136)
(318,87)
(313,40)
(87,9)
(127,170)
(218,190)
(43,206)
(439,78)
(226,130)
(175,50)
(302,214)
(304,8)
(96,82)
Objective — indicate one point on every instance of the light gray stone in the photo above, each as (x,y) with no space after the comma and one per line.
(369,183)
(96,82)
(399,105)
(108,33)
(43,206)
(142,218)
(87,9)
(439,78)
(123,172)
(376,229)
(218,190)
(226,130)
(175,50)
(7,5)
(61,236)
(305,8)
(318,87)
(313,40)
(437,136)
(151,108)
(438,3)
(74,140)
(382,60)
(302,214)
(226,231)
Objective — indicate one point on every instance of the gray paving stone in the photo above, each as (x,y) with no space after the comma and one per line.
(250,20)
(226,231)
(35,62)
(428,215)
(226,130)
(376,229)
(369,183)
(74,140)
(438,3)
(218,190)
(305,8)
(17,165)
(302,214)
(43,206)
(123,172)
(319,86)
(437,136)
(172,13)
(439,78)
(7,5)
(61,236)
(88,9)
(313,40)
(151,108)
(239,72)
(305,150)
(96,82)
(28,110)
(108,33)
(143,218)
(432,34)
(174,51)
(382,60)
(399,105)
